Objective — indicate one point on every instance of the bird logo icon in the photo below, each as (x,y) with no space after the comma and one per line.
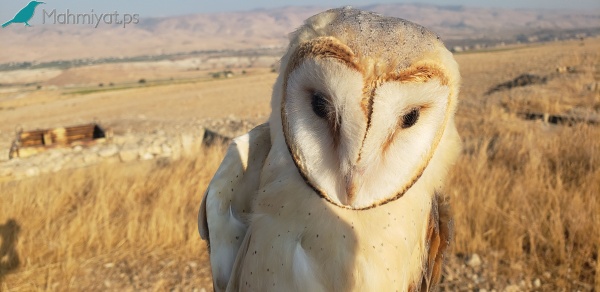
(24,15)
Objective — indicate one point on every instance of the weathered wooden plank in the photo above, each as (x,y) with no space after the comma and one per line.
(32,142)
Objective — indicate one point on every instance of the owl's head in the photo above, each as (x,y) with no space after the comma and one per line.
(363,103)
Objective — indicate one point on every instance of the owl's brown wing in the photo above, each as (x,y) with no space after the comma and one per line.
(439,235)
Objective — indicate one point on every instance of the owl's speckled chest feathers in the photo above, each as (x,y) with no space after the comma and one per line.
(298,235)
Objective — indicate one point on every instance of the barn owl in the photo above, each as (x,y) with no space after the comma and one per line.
(341,189)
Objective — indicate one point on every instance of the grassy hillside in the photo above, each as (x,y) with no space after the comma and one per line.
(525,196)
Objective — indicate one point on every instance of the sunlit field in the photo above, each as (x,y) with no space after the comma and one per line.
(524,193)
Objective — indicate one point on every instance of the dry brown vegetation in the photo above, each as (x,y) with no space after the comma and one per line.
(528,203)
(109,226)
(526,194)
(525,197)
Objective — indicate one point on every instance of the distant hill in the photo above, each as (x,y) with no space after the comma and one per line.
(263,28)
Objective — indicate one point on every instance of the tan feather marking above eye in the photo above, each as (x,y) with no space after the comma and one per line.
(323,47)
(420,73)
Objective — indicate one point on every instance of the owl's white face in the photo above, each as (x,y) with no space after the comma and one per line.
(360,136)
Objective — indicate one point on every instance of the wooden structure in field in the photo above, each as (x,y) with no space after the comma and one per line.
(29,143)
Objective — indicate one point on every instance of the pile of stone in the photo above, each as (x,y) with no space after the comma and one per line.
(124,148)
(230,126)
(128,145)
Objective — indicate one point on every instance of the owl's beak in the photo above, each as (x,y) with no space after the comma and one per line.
(353,183)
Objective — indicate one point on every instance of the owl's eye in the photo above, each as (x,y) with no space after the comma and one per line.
(319,104)
(409,119)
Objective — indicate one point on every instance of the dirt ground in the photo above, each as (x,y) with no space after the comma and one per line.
(130,105)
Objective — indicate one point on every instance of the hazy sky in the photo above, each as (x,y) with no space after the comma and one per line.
(146,8)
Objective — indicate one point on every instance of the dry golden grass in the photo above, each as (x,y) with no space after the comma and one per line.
(528,203)
(75,228)
(526,194)
(525,197)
